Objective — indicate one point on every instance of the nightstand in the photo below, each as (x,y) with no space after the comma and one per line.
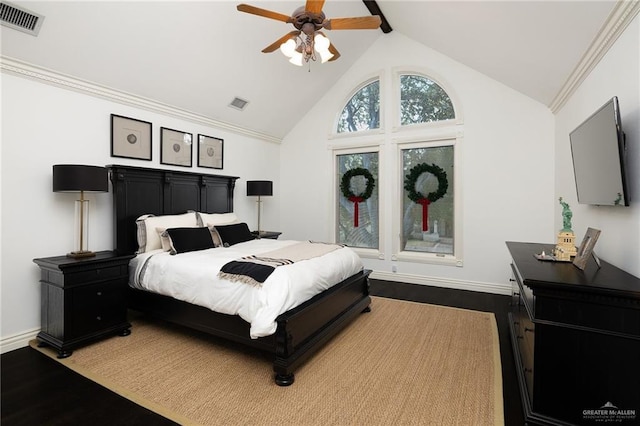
(82,300)
(266,234)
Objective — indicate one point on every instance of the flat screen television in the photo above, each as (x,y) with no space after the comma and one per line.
(598,151)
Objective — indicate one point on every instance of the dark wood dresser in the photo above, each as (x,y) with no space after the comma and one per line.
(82,300)
(576,340)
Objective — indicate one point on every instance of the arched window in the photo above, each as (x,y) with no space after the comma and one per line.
(425,220)
(362,112)
(422,101)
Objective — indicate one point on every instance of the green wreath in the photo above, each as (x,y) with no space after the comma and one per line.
(411,179)
(417,197)
(345,184)
(345,187)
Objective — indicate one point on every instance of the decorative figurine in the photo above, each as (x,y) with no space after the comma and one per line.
(566,216)
(565,248)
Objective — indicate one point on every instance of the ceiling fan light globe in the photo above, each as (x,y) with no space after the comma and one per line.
(296,59)
(321,42)
(325,55)
(288,48)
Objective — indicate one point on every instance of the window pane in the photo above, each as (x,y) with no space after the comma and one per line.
(355,183)
(423,101)
(362,112)
(428,228)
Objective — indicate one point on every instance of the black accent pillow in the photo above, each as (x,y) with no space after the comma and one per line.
(234,233)
(189,239)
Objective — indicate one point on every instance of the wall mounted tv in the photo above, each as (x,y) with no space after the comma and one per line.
(598,150)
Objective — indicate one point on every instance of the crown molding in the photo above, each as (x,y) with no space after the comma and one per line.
(620,17)
(47,76)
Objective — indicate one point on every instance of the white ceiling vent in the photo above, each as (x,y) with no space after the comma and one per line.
(238,103)
(20,18)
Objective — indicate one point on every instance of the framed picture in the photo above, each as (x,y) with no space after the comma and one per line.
(130,138)
(586,248)
(176,147)
(210,152)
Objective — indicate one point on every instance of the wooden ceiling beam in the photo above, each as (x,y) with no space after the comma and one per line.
(373,7)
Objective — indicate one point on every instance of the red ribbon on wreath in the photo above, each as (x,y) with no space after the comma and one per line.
(415,196)
(425,213)
(355,201)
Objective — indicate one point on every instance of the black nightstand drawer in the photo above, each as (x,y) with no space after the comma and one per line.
(93,275)
(98,306)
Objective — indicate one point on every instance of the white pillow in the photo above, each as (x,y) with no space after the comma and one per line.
(213,219)
(165,241)
(148,237)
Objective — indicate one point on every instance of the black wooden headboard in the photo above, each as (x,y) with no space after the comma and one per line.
(138,191)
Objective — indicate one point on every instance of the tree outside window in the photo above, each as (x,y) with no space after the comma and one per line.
(365,235)
(362,112)
(423,101)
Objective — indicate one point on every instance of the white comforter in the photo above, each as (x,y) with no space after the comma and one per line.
(192,277)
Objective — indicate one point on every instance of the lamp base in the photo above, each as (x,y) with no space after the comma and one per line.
(81,254)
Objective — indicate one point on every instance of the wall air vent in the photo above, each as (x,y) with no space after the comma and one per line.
(20,18)
(238,104)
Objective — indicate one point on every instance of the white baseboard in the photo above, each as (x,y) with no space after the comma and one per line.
(17,341)
(443,282)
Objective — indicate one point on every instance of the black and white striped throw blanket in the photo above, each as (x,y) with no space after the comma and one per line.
(255,269)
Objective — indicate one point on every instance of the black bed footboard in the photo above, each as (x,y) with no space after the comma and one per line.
(304,329)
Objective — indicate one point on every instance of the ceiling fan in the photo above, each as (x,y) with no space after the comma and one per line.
(303,43)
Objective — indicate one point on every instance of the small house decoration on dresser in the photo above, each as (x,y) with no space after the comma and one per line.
(566,244)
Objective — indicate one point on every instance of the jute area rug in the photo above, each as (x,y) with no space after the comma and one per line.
(403,363)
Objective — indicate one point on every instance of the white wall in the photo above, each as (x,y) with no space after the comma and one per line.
(507,161)
(617,74)
(43,125)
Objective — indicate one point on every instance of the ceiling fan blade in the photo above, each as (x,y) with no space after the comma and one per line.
(264,12)
(361,23)
(335,52)
(276,44)
(314,6)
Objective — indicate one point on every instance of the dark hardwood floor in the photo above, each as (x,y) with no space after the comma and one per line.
(36,390)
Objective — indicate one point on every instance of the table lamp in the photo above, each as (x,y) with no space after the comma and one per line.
(259,188)
(80,178)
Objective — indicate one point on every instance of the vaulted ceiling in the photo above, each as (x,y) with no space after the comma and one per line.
(198,56)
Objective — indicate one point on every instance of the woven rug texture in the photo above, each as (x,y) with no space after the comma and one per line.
(403,363)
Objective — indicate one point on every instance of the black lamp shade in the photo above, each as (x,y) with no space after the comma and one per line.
(75,178)
(259,187)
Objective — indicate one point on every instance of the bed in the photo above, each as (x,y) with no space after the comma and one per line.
(299,332)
